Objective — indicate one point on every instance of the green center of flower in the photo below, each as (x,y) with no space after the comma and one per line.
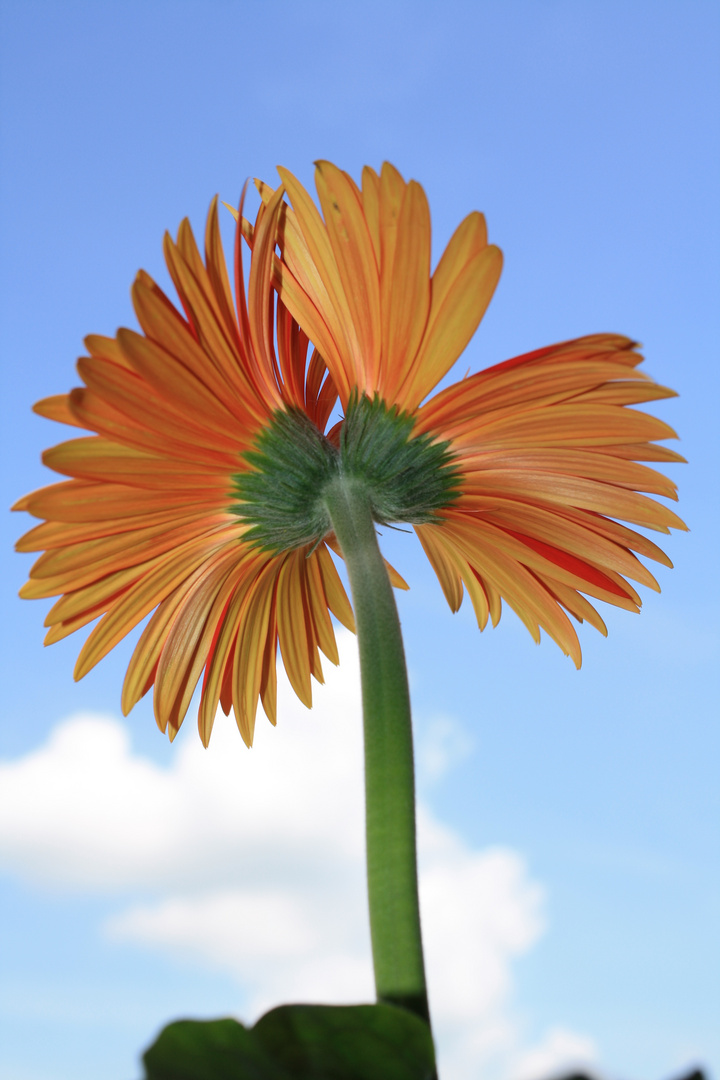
(281,495)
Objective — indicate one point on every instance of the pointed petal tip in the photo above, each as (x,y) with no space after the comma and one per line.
(262,187)
(572,649)
(245,729)
(235,213)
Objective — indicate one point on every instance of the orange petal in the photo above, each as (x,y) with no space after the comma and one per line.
(458,304)
(357,267)
(406,304)
(57,408)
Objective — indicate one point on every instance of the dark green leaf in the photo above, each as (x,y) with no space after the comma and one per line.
(209,1050)
(298,1042)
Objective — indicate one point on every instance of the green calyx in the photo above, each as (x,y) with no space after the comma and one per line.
(281,494)
(288,468)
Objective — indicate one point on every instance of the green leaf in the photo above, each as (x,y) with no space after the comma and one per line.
(209,1050)
(297,1042)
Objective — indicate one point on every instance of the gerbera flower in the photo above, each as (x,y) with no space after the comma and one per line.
(544,449)
(200,497)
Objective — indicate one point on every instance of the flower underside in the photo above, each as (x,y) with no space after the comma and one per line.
(281,496)
(200,500)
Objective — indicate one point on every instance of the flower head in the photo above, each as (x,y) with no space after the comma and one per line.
(198,500)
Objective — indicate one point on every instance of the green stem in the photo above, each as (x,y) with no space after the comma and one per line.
(389,776)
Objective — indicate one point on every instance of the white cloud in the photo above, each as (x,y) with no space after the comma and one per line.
(282,944)
(482,909)
(84,812)
(252,863)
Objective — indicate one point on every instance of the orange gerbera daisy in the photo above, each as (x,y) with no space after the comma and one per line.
(199,498)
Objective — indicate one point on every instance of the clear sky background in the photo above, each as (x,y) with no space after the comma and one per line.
(569,821)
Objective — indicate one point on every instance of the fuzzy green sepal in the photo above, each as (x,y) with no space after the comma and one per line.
(408,479)
(289,467)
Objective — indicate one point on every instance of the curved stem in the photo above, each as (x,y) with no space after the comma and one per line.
(389,775)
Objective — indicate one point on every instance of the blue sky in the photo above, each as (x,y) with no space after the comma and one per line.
(586,804)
